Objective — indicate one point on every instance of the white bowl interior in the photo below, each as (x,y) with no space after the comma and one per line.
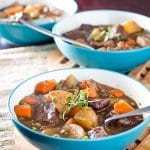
(69,6)
(131,87)
(102,17)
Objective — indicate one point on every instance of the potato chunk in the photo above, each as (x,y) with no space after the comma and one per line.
(71,81)
(143,41)
(59,98)
(131,27)
(86,117)
(72,131)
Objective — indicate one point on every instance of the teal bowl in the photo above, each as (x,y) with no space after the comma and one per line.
(120,61)
(21,35)
(114,142)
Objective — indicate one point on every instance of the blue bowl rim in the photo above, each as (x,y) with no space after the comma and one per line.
(110,51)
(125,133)
(22,26)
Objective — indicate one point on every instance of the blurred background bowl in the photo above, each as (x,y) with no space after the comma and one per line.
(121,61)
(22,35)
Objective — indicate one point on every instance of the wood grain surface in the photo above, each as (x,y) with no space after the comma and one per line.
(19,63)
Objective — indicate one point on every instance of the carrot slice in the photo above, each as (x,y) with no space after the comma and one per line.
(74,110)
(130,42)
(122,107)
(14,9)
(92,92)
(84,84)
(117,92)
(70,121)
(23,111)
(30,100)
(45,87)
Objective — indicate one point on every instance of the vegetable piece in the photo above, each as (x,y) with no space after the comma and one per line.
(23,111)
(96,31)
(45,87)
(34,14)
(3,15)
(51,131)
(131,27)
(130,42)
(122,107)
(117,92)
(74,110)
(14,9)
(97,35)
(71,81)
(77,101)
(29,9)
(84,84)
(92,92)
(70,121)
(60,99)
(72,131)
(143,41)
(86,117)
(118,33)
(30,100)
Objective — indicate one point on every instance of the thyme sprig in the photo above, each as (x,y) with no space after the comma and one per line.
(79,100)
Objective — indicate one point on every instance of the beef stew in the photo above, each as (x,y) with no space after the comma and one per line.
(32,11)
(74,109)
(126,36)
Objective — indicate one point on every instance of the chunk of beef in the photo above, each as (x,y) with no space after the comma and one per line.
(46,113)
(95,44)
(25,16)
(127,122)
(108,43)
(82,32)
(75,34)
(97,132)
(87,27)
(99,104)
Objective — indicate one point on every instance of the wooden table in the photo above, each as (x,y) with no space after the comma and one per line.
(15,65)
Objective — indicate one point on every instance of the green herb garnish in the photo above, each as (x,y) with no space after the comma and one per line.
(79,100)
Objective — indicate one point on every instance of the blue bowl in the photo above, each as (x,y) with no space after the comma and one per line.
(22,35)
(120,61)
(114,142)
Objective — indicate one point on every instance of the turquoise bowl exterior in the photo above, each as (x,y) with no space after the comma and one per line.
(116,142)
(22,35)
(120,61)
